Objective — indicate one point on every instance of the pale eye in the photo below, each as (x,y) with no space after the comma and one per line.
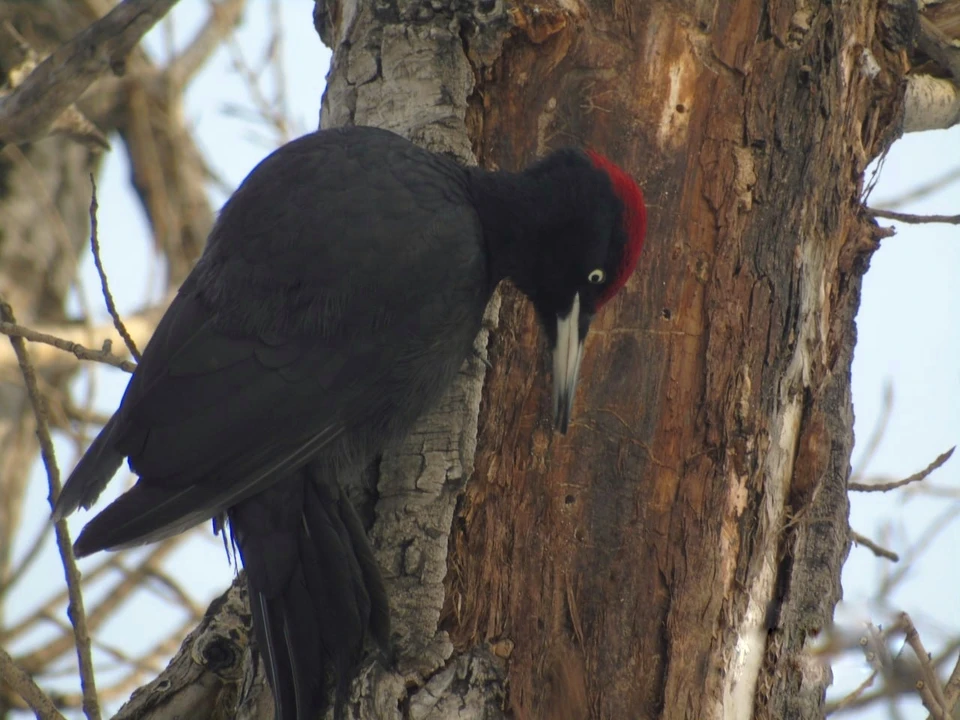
(596,277)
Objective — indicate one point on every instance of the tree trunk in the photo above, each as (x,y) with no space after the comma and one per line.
(672,555)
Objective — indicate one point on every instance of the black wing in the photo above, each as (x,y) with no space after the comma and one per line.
(342,262)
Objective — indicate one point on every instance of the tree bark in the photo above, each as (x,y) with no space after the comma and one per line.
(673,555)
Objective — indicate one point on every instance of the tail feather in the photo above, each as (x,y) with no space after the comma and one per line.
(315,589)
(379,614)
(267,624)
(91,475)
(144,514)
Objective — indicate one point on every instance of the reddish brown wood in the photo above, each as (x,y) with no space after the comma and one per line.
(615,560)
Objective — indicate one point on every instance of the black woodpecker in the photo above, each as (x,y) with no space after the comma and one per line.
(340,291)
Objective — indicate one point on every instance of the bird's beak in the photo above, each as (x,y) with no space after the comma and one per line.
(566,363)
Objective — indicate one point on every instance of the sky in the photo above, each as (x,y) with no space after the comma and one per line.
(908,337)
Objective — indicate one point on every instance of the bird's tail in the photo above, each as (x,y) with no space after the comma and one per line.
(315,590)
(91,475)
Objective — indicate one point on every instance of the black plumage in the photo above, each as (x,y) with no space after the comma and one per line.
(339,293)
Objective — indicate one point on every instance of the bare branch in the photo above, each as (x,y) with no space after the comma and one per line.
(916,477)
(53,339)
(929,687)
(847,700)
(71,122)
(107,297)
(270,115)
(130,582)
(35,546)
(930,103)
(914,219)
(75,612)
(951,690)
(900,678)
(27,113)
(876,435)
(24,686)
(921,191)
(104,355)
(224,16)
(878,550)
(930,533)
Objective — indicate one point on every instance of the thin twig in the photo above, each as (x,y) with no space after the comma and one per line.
(175,592)
(848,699)
(276,61)
(930,533)
(24,686)
(36,545)
(267,113)
(916,477)
(118,655)
(104,355)
(11,633)
(118,593)
(75,612)
(914,219)
(878,550)
(932,692)
(876,435)
(223,17)
(84,415)
(927,188)
(890,691)
(951,689)
(108,298)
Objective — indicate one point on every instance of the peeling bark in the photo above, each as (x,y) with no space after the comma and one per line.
(674,554)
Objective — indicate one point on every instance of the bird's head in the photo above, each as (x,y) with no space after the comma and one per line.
(587,250)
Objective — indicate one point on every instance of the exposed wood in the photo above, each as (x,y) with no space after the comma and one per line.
(674,553)
(671,556)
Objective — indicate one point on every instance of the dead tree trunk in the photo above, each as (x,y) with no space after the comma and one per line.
(674,553)
(671,556)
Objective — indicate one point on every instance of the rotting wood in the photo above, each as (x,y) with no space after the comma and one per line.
(674,553)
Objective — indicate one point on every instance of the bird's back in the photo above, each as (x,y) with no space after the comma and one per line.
(339,292)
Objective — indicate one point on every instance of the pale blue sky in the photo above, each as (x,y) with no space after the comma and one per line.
(908,334)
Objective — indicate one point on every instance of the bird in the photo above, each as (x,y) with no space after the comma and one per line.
(340,291)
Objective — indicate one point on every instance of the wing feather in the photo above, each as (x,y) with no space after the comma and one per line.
(301,323)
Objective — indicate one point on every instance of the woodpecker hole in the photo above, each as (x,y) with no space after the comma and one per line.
(681,108)
(569,499)
(666,314)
